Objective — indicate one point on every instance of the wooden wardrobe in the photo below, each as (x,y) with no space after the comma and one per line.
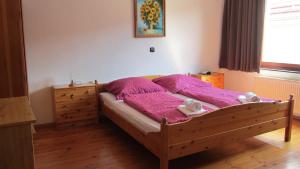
(13,75)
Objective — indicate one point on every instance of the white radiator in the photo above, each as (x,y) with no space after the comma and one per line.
(278,89)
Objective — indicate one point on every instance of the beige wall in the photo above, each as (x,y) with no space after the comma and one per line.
(239,81)
(265,84)
(93,39)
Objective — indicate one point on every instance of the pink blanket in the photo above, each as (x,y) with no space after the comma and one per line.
(157,106)
(218,97)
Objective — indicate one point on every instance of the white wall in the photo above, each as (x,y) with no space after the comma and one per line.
(93,39)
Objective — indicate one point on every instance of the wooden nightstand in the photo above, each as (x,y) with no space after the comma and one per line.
(216,79)
(75,106)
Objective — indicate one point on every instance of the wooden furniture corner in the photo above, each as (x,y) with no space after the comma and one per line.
(16,119)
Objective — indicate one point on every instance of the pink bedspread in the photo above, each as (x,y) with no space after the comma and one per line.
(218,97)
(157,106)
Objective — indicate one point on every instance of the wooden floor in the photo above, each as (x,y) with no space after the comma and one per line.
(105,146)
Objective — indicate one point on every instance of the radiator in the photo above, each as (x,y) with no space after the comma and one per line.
(278,89)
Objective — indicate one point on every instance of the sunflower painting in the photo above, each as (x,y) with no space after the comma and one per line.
(149,18)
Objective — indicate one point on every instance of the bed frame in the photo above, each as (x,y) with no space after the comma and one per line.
(217,128)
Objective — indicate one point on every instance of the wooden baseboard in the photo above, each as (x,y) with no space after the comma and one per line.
(45,125)
(79,123)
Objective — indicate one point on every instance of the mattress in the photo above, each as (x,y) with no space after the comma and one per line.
(134,117)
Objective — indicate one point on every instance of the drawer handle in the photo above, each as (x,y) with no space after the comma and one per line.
(87,92)
(63,95)
(72,96)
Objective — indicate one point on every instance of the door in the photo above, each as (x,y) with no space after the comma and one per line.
(13,75)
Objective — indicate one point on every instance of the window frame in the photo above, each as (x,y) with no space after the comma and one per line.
(280,66)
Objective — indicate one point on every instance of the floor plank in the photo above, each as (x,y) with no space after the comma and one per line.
(105,146)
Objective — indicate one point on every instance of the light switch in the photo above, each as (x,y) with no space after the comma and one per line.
(152,49)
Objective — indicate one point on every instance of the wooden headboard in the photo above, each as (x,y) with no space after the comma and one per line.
(151,77)
(99,86)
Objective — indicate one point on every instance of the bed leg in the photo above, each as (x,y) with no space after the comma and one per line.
(164,156)
(288,133)
(288,129)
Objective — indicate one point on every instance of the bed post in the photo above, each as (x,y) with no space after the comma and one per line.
(99,102)
(288,129)
(164,156)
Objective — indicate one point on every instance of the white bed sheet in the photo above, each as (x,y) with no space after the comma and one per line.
(136,118)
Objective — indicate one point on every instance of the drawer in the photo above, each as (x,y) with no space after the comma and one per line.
(219,85)
(76,94)
(69,106)
(75,116)
(78,91)
(218,78)
(78,108)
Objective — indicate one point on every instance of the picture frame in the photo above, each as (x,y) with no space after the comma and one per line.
(150,18)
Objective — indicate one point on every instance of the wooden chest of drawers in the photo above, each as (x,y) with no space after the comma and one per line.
(75,105)
(216,79)
(16,120)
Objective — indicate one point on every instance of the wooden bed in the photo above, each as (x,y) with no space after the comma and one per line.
(217,128)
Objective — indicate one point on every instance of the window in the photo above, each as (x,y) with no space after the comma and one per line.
(281,46)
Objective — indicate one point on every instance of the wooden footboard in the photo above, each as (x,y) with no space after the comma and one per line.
(224,126)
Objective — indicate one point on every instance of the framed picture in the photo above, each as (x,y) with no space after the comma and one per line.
(150,19)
